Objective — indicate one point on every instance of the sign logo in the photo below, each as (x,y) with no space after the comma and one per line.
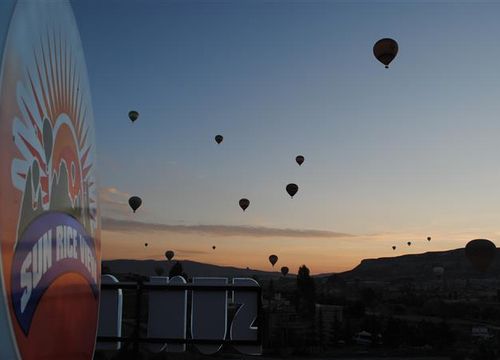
(53,244)
(49,221)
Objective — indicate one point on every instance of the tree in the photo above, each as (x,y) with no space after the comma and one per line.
(159,271)
(270,290)
(306,291)
(176,270)
(312,333)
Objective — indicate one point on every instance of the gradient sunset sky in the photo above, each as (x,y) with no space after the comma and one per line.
(391,155)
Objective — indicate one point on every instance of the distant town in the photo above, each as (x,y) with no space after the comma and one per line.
(432,305)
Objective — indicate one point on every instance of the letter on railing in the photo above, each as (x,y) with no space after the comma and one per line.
(209,314)
(243,326)
(167,314)
(110,314)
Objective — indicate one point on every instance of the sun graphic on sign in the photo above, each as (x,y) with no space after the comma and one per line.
(56,168)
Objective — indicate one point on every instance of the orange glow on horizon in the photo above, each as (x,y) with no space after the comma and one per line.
(320,255)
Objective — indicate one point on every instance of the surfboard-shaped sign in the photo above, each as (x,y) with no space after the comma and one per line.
(49,216)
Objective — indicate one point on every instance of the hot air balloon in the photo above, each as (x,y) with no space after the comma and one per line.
(169,254)
(244,203)
(428,238)
(219,138)
(409,243)
(146,244)
(273,259)
(133,115)
(299,159)
(135,202)
(393,248)
(213,247)
(292,189)
(385,50)
(480,253)
(284,270)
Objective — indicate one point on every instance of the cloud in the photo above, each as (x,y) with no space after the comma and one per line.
(110,224)
(113,201)
(111,195)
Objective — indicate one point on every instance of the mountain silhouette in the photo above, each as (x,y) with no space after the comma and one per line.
(191,268)
(420,267)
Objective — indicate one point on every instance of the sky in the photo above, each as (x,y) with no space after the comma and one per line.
(391,155)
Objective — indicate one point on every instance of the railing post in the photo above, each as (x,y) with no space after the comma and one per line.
(137,329)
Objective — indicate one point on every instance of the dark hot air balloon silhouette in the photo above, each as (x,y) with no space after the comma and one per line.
(133,115)
(213,247)
(244,203)
(219,138)
(393,248)
(480,253)
(135,202)
(299,159)
(284,270)
(169,254)
(292,189)
(146,244)
(428,238)
(409,243)
(385,50)
(273,259)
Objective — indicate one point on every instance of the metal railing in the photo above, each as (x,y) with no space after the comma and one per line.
(141,287)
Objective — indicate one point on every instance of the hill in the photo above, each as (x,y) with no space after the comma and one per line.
(191,268)
(415,266)
(420,267)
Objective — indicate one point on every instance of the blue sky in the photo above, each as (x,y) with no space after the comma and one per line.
(390,154)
